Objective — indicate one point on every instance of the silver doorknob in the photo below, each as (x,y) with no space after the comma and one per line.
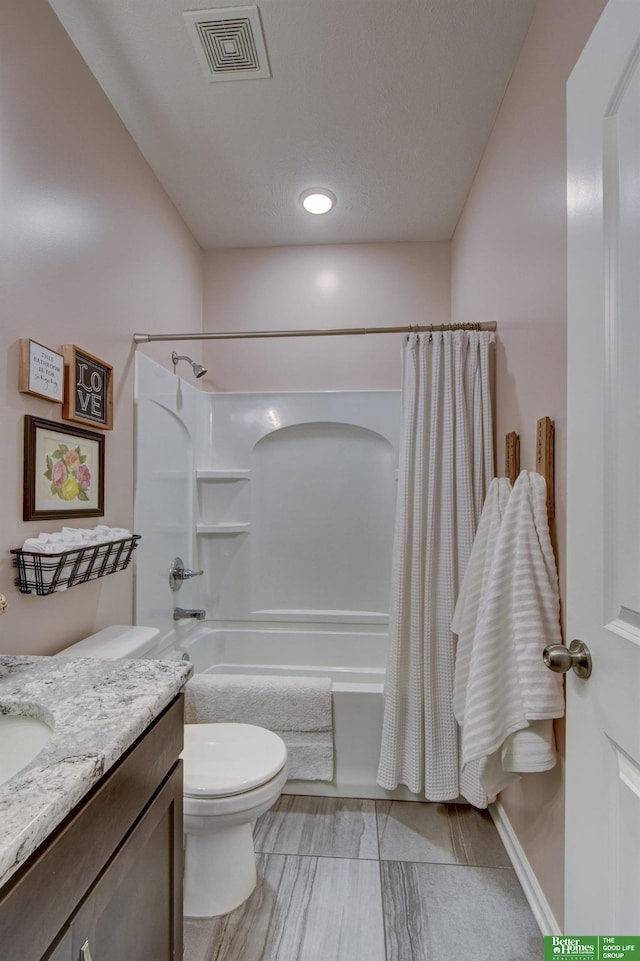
(561,659)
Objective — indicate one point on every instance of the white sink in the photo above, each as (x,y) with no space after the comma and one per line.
(22,737)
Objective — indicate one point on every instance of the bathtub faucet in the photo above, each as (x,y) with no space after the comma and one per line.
(180,612)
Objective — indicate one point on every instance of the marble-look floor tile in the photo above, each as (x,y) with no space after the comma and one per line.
(438,834)
(307,909)
(436,912)
(202,937)
(323,827)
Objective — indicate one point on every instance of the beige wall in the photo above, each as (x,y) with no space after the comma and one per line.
(509,265)
(91,250)
(350,285)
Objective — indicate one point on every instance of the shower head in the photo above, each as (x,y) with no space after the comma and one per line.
(198,369)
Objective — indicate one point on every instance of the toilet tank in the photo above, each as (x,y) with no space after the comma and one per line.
(119,640)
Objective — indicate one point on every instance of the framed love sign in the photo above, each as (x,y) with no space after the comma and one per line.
(88,393)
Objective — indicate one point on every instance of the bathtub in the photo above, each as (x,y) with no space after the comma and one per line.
(354,661)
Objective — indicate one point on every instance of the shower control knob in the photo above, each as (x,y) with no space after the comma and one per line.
(561,659)
(179,573)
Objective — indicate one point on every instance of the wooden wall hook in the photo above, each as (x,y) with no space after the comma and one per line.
(512,456)
(545,434)
(545,460)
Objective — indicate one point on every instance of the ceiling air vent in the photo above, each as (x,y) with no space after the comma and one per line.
(229,43)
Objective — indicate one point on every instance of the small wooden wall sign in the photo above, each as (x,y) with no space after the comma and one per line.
(41,371)
(88,394)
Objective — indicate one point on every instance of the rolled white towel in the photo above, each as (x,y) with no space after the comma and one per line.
(71,538)
(44,539)
(43,544)
(36,545)
(106,535)
(46,544)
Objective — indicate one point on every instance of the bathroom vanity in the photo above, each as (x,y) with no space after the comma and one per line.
(91,828)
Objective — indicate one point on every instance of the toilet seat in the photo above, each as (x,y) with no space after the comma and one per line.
(226,759)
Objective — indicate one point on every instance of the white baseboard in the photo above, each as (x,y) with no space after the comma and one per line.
(532,891)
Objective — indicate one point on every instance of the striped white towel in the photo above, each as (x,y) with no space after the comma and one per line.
(465,616)
(508,689)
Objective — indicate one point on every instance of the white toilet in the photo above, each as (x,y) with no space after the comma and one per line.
(233,773)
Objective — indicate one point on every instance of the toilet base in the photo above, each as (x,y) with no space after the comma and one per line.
(220,871)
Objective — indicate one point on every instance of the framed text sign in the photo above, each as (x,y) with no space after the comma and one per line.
(41,371)
(88,395)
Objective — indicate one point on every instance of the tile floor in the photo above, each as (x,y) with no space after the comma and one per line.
(355,880)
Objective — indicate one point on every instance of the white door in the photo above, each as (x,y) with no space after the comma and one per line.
(603,500)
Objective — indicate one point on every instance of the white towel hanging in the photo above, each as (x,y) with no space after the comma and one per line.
(503,686)
(465,617)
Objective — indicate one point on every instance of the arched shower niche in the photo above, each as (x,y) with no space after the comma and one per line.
(303,532)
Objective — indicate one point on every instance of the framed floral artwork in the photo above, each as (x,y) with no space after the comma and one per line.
(63,471)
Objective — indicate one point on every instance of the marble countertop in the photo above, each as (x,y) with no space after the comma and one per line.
(97,710)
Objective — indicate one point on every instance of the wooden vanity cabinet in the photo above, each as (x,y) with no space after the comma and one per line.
(107,884)
(63,952)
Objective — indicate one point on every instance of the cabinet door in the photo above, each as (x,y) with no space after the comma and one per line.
(63,951)
(134,911)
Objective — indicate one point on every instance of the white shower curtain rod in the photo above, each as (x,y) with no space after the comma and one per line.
(318,332)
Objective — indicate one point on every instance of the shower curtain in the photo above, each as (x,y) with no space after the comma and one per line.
(445,467)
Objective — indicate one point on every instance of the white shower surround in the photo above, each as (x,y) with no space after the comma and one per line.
(287,502)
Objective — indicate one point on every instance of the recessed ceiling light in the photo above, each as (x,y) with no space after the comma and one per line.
(317,200)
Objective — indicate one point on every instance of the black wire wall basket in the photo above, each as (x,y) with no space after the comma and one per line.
(44,574)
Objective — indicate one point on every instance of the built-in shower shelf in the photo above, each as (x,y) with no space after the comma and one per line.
(223,475)
(222,528)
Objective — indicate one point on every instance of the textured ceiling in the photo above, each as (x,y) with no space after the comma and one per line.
(389,103)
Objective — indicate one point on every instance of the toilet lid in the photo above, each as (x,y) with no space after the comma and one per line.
(221,759)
